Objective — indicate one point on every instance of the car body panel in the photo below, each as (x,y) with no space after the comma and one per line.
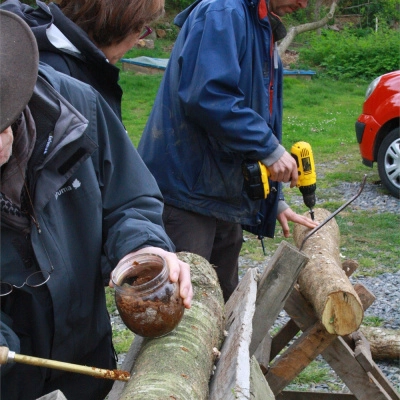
(380,109)
(377,129)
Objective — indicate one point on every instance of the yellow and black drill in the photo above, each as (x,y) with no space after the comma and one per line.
(307,183)
(256,176)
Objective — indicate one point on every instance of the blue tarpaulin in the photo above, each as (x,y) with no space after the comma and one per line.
(161,63)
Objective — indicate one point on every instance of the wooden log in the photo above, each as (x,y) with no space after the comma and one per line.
(324,283)
(179,365)
(384,343)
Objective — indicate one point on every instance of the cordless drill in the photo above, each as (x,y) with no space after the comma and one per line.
(307,182)
(256,176)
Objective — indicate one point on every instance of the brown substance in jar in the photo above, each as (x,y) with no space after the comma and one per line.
(143,277)
(153,313)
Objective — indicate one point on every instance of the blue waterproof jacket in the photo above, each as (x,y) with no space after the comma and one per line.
(220,102)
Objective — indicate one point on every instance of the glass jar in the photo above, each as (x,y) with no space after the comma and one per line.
(148,302)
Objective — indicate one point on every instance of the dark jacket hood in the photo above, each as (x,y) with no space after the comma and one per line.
(42,17)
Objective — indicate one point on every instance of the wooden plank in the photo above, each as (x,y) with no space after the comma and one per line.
(366,296)
(339,355)
(259,389)
(231,379)
(262,354)
(274,288)
(293,395)
(298,356)
(363,355)
(349,266)
(300,310)
(283,337)
(362,384)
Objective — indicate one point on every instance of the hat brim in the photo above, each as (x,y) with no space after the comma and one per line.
(19,60)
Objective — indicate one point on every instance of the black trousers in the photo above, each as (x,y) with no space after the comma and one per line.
(219,242)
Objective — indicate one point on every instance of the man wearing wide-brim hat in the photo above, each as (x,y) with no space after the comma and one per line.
(71,195)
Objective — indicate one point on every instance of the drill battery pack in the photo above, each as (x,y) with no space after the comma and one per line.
(255,179)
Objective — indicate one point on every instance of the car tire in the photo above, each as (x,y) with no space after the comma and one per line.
(389,162)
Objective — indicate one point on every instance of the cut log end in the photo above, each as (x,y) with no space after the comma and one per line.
(323,282)
(342,314)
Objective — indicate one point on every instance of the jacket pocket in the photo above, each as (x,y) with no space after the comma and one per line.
(220,177)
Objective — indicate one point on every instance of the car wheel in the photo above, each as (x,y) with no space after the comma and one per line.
(389,162)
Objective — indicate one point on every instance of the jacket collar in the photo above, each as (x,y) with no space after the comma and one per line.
(68,145)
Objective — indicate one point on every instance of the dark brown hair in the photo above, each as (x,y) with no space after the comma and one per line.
(109,22)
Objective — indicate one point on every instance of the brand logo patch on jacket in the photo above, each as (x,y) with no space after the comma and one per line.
(76,184)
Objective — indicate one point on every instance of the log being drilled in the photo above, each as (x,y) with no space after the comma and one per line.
(179,365)
(324,283)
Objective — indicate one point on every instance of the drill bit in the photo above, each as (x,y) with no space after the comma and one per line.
(334,213)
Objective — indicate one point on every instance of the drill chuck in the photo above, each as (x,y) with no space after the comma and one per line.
(308,193)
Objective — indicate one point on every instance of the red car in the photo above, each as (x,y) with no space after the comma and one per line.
(378,129)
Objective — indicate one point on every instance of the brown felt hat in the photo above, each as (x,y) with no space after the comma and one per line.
(19,60)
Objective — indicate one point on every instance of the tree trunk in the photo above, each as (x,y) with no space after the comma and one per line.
(295,30)
(384,343)
(323,282)
(179,365)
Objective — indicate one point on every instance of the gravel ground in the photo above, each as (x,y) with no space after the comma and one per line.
(385,287)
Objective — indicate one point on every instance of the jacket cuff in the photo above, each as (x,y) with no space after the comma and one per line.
(273,157)
(282,206)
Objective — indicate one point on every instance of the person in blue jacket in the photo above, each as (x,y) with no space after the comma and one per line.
(73,190)
(219,104)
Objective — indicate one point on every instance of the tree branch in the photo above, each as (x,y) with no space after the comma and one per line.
(295,30)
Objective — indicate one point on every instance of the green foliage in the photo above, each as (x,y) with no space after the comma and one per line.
(178,4)
(372,321)
(349,54)
(316,372)
(122,340)
(370,238)
(381,11)
(139,93)
(111,307)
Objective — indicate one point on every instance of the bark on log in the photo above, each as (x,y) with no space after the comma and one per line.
(384,343)
(323,282)
(179,365)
